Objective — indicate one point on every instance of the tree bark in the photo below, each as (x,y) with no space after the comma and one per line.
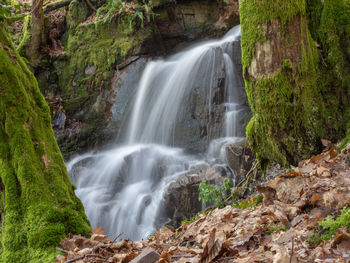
(37,31)
(40,207)
(298,89)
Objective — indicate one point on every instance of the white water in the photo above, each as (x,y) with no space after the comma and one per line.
(122,189)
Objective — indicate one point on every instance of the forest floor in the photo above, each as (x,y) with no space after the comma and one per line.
(304,217)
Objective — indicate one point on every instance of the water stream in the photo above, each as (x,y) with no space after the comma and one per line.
(122,189)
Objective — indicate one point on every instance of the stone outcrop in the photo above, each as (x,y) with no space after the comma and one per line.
(181,199)
(239,158)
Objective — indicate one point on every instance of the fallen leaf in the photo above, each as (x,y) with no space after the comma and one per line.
(98,231)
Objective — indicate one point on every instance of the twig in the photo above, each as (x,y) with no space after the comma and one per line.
(104,246)
(91,5)
(75,259)
(62,250)
(15,18)
(82,257)
(291,253)
(118,236)
(244,183)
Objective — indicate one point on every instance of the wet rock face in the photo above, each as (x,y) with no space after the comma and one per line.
(239,158)
(200,121)
(186,21)
(124,86)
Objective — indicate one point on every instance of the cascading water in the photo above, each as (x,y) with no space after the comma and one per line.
(122,189)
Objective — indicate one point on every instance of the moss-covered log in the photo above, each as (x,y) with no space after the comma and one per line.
(296,69)
(40,204)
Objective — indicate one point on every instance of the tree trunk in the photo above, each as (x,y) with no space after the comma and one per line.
(37,32)
(40,206)
(298,90)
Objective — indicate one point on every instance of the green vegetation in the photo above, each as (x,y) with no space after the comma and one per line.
(210,193)
(40,204)
(253,17)
(249,203)
(85,45)
(195,217)
(329,227)
(223,194)
(274,228)
(133,13)
(8,9)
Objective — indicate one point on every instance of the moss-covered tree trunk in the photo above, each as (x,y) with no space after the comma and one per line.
(40,206)
(296,67)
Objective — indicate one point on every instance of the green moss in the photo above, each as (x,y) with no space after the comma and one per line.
(299,103)
(314,12)
(334,36)
(101,47)
(97,45)
(254,13)
(37,187)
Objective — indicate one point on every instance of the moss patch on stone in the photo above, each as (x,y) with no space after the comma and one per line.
(93,51)
(40,204)
(99,46)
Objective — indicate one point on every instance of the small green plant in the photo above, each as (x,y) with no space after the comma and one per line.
(196,216)
(275,228)
(151,236)
(128,12)
(210,193)
(315,238)
(329,226)
(249,203)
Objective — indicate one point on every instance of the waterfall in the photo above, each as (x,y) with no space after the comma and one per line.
(194,95)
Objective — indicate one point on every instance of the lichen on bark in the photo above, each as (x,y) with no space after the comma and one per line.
(40,204)
(296,92)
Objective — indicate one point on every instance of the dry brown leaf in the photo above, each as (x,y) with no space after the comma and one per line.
(326,143)
(210,243)
(68,244)
(268,192)
(98,231)
(212,248)
(315,198)
(282,256)
(280,216)
(213,253)
(130,256)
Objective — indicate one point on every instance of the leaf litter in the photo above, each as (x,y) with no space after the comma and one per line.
(295,202)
